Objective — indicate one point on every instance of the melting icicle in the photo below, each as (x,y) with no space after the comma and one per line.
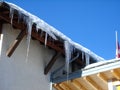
(11,14)
(51,88)
(68,56)
(46,36)
(19,16)
(87,59)
(82,56)
(44,26)
(1,41)
(37,28)
(29,30)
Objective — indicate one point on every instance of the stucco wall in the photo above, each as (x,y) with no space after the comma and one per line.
(15,72)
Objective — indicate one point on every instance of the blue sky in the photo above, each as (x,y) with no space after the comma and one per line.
(91,23)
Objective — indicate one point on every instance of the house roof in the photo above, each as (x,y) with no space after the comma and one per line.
(93,77)
(37,29)
(15,12)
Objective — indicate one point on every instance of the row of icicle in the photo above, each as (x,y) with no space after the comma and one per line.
(29,22)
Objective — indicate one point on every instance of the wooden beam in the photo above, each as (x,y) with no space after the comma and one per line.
(65,86)
(49,43)
(52,61)
(71,85)
(116,74)
(57,86)
(92,83)
(102,77)
(15,43)
(22,26)
(78,85)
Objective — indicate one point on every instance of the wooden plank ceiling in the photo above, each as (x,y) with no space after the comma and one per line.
(92,82)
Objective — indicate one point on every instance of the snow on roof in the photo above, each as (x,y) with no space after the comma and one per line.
(101,63)
(52,31)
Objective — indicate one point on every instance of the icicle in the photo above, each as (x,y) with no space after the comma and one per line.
(19,16)
(46,36)
(68,56)
(29,30)
(71,49)
(1,41)
(37,28)
(51,86)
(82,56)
(44,26)
(11,14)
(87,59)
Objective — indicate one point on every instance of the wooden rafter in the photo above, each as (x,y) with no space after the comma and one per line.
(65,86)
(92,83)
(51,63)
(15,43)
(102,77)
(116,74)
(71,85)
(22,26)
(78,85)
(49,43)
(57,87)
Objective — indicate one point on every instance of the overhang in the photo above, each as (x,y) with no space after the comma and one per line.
(39,30)
(92,77)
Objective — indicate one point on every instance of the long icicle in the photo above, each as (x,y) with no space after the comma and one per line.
(51,84)
(1,42)
(82,56)
(29,30)
(46,36)
(11,14)
(87,59)
(19,16)
(68,57)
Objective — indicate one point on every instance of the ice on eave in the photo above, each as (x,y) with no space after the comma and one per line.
(40,23)
(54,33)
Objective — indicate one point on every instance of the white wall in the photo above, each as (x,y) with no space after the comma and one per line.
(15,72)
